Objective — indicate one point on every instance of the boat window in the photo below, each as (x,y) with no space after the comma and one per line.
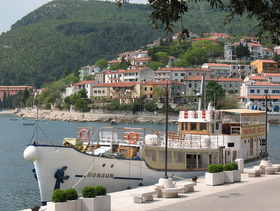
(203,126)
(230,144)
(151,154)
(179,157)
(193,126)
(162,156)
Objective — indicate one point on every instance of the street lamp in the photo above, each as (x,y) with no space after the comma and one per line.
(265,106)
(160,103)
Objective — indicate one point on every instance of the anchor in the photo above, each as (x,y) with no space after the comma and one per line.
(59,176)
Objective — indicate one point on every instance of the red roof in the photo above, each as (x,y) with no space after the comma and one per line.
(230,79)
(217,65)
(83,82)
(264,60)
(172,69)
(118,84)
(261,97)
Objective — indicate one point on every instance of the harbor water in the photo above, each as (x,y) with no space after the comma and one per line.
(18,187)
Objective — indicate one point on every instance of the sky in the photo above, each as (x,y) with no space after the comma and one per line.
(13,10)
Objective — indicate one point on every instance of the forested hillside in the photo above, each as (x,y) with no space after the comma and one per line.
(61,36)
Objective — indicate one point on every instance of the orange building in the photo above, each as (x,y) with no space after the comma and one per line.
(12,90)
(265,66)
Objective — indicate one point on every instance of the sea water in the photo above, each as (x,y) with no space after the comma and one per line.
(18,187)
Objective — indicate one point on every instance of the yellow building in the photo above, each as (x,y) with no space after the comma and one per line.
(265,66)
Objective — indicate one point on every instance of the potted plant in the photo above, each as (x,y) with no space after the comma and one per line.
(88,200)
(72,197)
(232,174)
(104,200)
(215,175)
(59,202)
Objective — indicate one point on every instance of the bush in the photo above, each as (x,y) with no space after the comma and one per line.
(71,194)
(100,190)
(230,167)
(59,196)
(215,168)
(88,192)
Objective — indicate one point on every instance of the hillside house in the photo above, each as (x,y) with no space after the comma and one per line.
(87,85)
(253,95)
(272,77)
(179,73)
(265,66)
(257,51)
(218,70)
(86,70)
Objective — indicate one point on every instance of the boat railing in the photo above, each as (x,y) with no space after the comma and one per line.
(120,136)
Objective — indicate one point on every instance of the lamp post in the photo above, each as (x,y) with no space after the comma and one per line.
(160,103)
(265,106)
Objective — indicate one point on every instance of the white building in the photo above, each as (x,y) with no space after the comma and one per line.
(253,96)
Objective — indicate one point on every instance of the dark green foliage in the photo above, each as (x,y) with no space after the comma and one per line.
(54,41)
(59,196)
(71,194)
(88,192)
(265,12)
(242,51)
(215,168)
(214,93)
(100,190)
(230,167)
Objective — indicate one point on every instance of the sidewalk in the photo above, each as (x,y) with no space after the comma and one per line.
(252,193)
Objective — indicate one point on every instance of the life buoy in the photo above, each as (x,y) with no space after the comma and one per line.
(84,134)
(132,137)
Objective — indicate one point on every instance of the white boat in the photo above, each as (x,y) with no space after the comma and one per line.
(121,158)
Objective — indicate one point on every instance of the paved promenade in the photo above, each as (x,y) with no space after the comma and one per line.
(252,193)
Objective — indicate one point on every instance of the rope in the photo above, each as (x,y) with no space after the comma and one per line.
(87,171)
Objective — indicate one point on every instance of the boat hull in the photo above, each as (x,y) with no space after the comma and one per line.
(81,169)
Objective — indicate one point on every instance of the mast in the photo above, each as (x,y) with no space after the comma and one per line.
(201,94)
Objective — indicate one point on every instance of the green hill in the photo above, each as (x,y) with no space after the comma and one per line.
(61,36)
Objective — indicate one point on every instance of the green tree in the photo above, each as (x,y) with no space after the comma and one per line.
(81,105)
(214,93)
(196,56)
(155,65)
(101,63)
(180,63)
(230,101)
(162,57)
(265,12)
(212,49)
(242,51)
(25,96)
(70,79)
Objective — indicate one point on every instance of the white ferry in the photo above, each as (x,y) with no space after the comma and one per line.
(121,158)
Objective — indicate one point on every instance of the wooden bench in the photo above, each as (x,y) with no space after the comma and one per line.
(188,187)
(140,197)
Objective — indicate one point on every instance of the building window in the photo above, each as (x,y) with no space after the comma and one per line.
(176,74)
(266,91)
(252,91)
(258,91)
(182,74)
(151,88)
(145,88)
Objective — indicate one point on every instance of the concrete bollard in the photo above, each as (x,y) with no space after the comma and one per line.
(240,163)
